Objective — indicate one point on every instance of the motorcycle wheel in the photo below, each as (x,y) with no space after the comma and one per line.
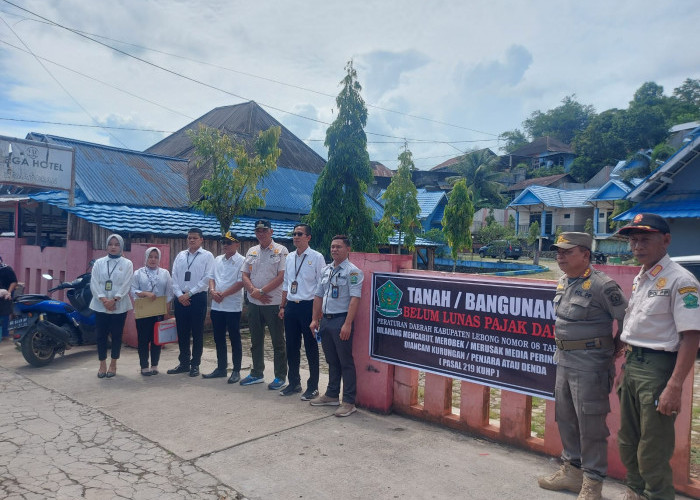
(38,348)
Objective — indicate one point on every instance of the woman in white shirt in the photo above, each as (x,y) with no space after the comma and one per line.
(110,283)
(150,282)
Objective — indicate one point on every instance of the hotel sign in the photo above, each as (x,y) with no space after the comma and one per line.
(32,163)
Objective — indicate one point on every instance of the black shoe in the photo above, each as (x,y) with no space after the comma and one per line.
(234,378)
(218,373)
(194,371)
(290,389)
(179,369)
(309,395)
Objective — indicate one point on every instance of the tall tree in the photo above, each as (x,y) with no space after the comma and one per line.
(457,220)
(562,122)
(401,207)
(479,169)
(232,188)
(513,139)
(338,203)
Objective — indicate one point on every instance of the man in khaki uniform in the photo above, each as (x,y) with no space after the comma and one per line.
(586,303)
(662,327)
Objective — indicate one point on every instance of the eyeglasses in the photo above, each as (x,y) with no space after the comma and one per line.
(298,234)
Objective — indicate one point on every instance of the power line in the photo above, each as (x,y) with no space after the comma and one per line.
(85,125)
(58,82)
(194,80)
(119,89)
(259,77)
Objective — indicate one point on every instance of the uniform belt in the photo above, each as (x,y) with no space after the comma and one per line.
(646,350)
(337,315)
(576,345)
(301,301)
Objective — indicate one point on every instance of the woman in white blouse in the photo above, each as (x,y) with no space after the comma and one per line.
(110,283)
(150,282)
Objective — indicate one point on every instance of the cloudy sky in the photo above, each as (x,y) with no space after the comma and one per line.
(447,76)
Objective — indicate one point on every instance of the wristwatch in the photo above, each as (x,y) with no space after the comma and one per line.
(261,291)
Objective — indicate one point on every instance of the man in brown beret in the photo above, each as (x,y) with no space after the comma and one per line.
(586,303)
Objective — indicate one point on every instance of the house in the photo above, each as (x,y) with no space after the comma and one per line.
(561,181)
(672,191)
(552,208)
(542,152)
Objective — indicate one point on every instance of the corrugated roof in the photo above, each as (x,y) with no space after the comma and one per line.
(540,181)
(289,191)
(553,197)
(673,205)
(542,145)
(106,174)
(157,221)
(428,201)
(614,189)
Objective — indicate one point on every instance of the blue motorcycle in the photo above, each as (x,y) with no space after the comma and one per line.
(45,327)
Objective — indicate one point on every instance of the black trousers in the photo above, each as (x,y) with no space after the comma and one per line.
(190,325)
(144,329)
(221,321)
(341,364)
(297,317)
(107,325)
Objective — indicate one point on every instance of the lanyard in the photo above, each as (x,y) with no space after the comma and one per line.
(152,279)
(109,273)
(189,264)
(335,273)
(298,268)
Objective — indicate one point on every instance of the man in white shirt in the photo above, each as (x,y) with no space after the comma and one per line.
(226,290)
(192,270)
(263,273)
(301,277)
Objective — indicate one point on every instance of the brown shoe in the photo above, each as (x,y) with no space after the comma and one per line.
(345,410)
(630,494)
(324,400)
(568,478)
(591,489)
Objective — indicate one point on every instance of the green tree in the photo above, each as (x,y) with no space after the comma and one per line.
(479,169)
(338,203)
(457,220)
(688,92)
(533,239)
(401,207)
(231,190)
(562,122)
(513,139)
(588,227)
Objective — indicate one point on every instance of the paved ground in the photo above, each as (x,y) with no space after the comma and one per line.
(64,433)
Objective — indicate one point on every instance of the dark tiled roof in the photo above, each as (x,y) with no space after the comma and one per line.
(540,181)
(542,145)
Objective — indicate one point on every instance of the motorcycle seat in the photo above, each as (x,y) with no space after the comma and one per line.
(31,298)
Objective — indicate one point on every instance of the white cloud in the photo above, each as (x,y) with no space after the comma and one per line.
(482,65)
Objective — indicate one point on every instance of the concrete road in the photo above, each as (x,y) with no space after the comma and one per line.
(64,433)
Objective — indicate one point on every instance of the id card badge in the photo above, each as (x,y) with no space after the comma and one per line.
(334,291)
(188,275)
(108,286)
(293,288)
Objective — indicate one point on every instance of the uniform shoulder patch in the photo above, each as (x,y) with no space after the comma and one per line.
(354,278)
(690,301)
(614,295)
(687,289)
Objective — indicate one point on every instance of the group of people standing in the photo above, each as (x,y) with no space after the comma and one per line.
(298,297)
(658,333)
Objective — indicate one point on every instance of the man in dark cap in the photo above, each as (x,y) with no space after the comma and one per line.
(661,332)
(263,273)
(226,291)
(586,303)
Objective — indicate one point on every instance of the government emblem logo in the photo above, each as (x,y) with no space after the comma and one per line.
(389,297)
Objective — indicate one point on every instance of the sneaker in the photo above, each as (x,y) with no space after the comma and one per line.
(290,389)
(235,377)
(278,383)
(345,410)
(250,380)
(309,395)
(324,401)
(568,478)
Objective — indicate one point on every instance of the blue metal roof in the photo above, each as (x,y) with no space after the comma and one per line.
(420,242)
(553,197)
(428,201)
(289,191)
(105,174)
(669,205)
(612,190)
(157,221)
